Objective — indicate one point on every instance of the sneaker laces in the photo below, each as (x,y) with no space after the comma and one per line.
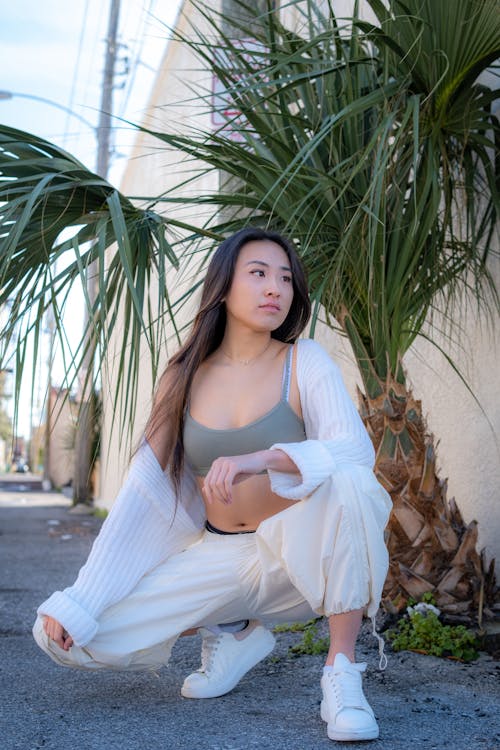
(346,684)
(209,645)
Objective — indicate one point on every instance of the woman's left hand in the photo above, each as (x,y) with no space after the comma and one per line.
(228,470)
(56,632)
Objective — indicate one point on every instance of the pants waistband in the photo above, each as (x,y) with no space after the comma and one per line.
(214,530)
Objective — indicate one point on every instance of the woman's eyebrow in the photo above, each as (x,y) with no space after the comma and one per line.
(263,263)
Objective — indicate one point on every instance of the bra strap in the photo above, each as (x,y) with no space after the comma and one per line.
(287,372)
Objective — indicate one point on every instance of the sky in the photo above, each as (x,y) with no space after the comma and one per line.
(52,63)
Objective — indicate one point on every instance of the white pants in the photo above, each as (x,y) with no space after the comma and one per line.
(323,555)
(218,579)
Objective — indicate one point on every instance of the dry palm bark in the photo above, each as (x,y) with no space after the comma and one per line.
(430,546)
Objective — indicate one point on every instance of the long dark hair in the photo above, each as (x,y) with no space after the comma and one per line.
(207,333)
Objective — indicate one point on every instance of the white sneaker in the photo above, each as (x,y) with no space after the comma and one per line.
(344,706)
(225,659)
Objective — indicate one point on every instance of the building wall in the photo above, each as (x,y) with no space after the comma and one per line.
(62,435)
(63,414)
(468,451)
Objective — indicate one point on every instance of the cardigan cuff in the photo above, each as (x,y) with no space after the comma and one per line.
(81,626)
(314,462)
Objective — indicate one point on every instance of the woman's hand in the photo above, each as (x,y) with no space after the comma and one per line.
(228,470)
(56,632)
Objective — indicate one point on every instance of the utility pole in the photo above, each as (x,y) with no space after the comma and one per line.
(85,434)
(47,479)
(106,110)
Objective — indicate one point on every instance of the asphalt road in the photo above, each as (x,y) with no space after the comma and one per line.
(421,702)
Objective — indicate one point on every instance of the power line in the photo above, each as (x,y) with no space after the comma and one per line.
(133,67)
(77,66)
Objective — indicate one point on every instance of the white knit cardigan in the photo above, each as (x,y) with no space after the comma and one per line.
(144,526)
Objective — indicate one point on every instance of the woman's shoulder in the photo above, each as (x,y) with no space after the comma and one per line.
(310,354)
(314,363)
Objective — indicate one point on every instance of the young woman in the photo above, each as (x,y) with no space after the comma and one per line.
(251,500)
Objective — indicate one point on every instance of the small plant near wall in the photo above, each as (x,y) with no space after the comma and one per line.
(421,630)
(311,644)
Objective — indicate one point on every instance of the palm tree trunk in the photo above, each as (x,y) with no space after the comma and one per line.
(431,549)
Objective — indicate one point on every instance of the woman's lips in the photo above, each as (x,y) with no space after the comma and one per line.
(270,307)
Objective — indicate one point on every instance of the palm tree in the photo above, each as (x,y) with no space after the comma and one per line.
(371,146)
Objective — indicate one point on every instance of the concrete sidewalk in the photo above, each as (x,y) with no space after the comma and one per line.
(421,702)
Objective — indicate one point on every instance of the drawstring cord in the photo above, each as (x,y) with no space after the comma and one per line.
(382,664)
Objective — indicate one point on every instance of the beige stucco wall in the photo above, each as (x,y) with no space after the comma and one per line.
(468,449)
(62,436)
(63,420)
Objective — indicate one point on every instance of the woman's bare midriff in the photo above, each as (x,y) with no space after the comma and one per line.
(253,502)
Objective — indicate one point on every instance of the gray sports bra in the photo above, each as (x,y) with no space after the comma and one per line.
(202,445)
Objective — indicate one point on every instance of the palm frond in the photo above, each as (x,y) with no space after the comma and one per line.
(366,155)
(370,145)
(45,194)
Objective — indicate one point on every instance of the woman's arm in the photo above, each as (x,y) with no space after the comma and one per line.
(336,435)
(227,471)
(143,528)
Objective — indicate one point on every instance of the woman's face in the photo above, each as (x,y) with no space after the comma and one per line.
(261,292)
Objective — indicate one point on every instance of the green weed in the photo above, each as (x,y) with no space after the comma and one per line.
(424,632)
(311,643)
(100,512)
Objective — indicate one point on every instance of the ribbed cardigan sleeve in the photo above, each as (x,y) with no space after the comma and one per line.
(143,528)
(335,433)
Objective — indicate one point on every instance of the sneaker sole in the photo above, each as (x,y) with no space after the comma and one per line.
(344,735)
(188,691)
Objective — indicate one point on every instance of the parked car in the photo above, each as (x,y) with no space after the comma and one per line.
(21,466)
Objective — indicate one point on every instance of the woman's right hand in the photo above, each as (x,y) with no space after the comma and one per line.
(56,632)
(226,471)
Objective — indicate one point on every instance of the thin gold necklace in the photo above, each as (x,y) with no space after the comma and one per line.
(246,361)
